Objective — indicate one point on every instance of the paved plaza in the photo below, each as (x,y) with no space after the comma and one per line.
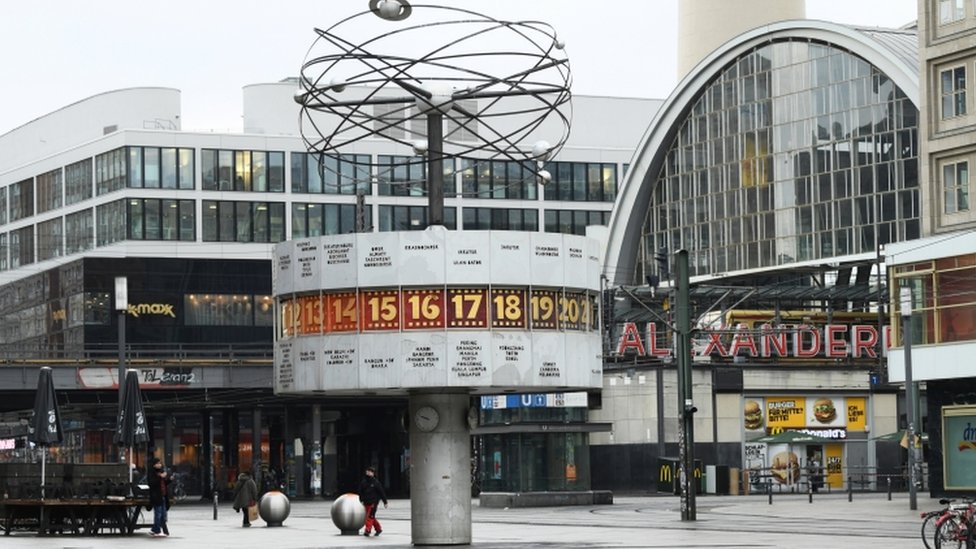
(631,522)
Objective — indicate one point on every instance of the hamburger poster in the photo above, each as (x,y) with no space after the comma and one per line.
(766,414)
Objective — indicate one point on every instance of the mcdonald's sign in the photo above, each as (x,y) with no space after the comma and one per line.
(666,473)
(668,477)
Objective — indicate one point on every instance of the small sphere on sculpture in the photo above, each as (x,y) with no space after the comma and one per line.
(540,150)
(544,177)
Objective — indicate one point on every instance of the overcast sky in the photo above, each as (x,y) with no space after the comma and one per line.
(56,52)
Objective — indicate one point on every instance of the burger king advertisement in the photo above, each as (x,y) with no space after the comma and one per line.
(823,413)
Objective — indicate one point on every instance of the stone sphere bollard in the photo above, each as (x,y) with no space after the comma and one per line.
(274,508)
(348,514)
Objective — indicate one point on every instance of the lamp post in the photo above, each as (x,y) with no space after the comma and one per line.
(121,305)
(686,406)
(906,331)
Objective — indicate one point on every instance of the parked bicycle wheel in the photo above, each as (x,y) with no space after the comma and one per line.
(952,533)
(928,527)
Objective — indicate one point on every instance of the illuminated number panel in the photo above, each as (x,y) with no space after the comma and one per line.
(541,309)
(289,318)
(571,310)
(543,306)
(508,308)
(380,310)
(342,312)
(310,314)
(467,308)
(423,309)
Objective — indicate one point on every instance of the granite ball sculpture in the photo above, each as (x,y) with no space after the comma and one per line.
(274,507)
(348,514)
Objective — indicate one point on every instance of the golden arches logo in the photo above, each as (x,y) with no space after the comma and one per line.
(666,474)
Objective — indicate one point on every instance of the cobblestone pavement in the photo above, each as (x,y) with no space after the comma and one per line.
(631,522)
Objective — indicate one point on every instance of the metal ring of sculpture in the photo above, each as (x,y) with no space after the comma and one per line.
(491,100)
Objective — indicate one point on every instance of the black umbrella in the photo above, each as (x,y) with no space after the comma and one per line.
(45,425)
(132,428)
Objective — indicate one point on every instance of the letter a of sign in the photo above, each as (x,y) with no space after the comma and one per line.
(630,339)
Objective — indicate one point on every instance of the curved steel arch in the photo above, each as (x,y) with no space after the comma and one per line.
(633,200)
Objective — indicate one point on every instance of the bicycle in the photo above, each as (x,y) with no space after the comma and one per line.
(953,527)
(930,519)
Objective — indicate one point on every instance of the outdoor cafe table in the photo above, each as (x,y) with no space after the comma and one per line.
(79,516)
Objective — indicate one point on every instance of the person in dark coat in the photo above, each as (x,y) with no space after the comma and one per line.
(245,495)
(370,494)
(158,497)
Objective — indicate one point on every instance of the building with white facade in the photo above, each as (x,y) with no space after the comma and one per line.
(111,186)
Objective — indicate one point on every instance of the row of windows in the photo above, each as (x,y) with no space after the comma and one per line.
(92,309)
(264,171)
(407,176)
(240,221)
(234,221)
(326,219)
(159,219)
(161,168)
(257,171)
(943,299)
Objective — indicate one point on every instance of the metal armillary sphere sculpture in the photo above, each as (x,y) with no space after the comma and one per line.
(501,87)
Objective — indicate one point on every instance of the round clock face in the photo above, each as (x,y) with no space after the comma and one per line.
(426,418)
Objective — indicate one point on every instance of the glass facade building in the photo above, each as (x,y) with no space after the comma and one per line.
(796,151)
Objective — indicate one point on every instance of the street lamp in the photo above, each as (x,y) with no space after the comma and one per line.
(906,334)
(121,305)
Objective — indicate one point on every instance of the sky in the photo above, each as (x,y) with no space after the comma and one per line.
(56,52)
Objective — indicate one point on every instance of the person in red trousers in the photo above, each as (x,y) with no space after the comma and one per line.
(370,494)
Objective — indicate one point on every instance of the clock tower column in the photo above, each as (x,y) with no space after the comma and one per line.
(440,467)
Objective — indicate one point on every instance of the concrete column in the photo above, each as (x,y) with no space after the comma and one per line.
(316,457)
(330,461)
(704,25)
(207,483)
(256,446)
(440,469)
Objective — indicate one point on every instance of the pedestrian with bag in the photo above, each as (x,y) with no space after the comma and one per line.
(158,498)
(370,494)
(245,497)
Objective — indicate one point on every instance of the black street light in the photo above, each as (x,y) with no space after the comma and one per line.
(121,305)
(906,334)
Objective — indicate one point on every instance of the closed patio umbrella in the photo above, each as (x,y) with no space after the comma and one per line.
(132,428)
(45,424)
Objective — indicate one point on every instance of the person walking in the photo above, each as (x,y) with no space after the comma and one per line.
(158,498)
(370,494)
(245,495)
(816,473)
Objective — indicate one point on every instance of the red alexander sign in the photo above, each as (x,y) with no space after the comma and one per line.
(800,341)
